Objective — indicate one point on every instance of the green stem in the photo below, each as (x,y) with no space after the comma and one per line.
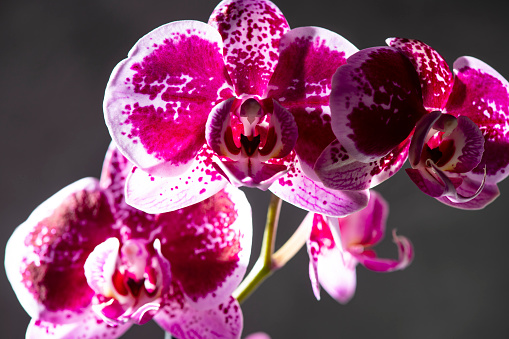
(263,266)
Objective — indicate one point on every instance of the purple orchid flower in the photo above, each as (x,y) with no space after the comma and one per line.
(384,95)
(242,99)
(337,245)
(87,265)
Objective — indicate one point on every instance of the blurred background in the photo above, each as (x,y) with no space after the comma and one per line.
(55,59)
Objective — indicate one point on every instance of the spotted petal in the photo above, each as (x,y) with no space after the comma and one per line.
(367,226)
(47,252)
(308,58)
(184,322)
(375,102)
(88,327)
(158,99)
(154,194)
(208,245)
(338,170)
(434,73)
(298,189)
(333,269)
(251,30)
(482,94)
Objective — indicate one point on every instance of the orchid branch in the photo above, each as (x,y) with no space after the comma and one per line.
(293,244)
(268,262)
(263,266)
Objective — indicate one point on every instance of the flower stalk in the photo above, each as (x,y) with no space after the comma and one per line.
(269,262)
(263,267)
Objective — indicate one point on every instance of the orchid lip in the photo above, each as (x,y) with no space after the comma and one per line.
(245,134)
(128,279)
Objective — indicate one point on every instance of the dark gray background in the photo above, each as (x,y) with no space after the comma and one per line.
(55,60)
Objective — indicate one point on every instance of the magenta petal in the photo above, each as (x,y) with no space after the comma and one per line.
(375,102)
(420,135)
(251,30)
(45,268)
(153,194)
(218,124)
(89,326)
(333,269)
(115,170)
(367,226)
(308,58)
(469,188)
(426,182)
(337,275)
(298,189)
(405,257)
(185,322)
(283,124)
(337,170)
(100,265)
(251,173)
(482,94)
(158,99)
(434,73)
(258,335)
(468,144)
(208,245)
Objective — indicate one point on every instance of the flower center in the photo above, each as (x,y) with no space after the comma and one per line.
(247,133)
(128,280)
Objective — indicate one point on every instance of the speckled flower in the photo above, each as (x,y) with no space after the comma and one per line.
(337,245)
(87,265)
(460,145)
(242,99)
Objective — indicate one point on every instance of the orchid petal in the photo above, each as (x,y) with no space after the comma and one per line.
(333,269)
(337,170)
(419,138)
(100,266)
(89,327)
(375,102)
(450,186)
(405,257)
(426,182)
(158,99)
(208,245)
(251,173)
(337,275)
(218,131)
(434,74)
(367,226)
(284,129)
(308,58)
(468,143)
(298,189)
(258,335)
(153,194)
(482,94)
(468,188)
(46,253)
(116,169)
(184,322)
(251,30)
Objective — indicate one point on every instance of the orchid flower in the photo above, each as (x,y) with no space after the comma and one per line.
(337,245)
(87,265)
(459,149)
(242,99)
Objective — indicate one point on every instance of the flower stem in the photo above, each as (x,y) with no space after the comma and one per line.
(293,244)
(263,266)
